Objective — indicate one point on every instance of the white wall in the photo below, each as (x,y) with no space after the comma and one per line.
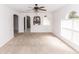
(36,28)
(21,23)
(57,16)
(6,24)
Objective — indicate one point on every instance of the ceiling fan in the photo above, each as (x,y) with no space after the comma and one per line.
(37,8)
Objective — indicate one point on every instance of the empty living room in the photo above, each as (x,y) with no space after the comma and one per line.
(39,28)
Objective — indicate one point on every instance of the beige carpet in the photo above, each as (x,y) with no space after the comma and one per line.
(35,43)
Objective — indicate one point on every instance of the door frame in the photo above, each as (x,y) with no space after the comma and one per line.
(14,24)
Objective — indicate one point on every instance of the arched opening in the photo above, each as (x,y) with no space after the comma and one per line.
(15,22)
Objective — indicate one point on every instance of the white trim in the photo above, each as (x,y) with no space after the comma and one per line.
(5,41)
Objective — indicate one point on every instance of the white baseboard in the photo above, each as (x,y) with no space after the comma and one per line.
(5,41)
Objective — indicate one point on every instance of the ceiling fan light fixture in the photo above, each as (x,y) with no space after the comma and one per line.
(37,8)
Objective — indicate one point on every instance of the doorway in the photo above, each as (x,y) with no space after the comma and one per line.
(27,25)
(15,22)
(24,24)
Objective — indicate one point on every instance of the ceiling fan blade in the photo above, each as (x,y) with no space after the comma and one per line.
(42,9)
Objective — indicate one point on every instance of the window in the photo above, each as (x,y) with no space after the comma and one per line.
(46,21)
(70,27)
